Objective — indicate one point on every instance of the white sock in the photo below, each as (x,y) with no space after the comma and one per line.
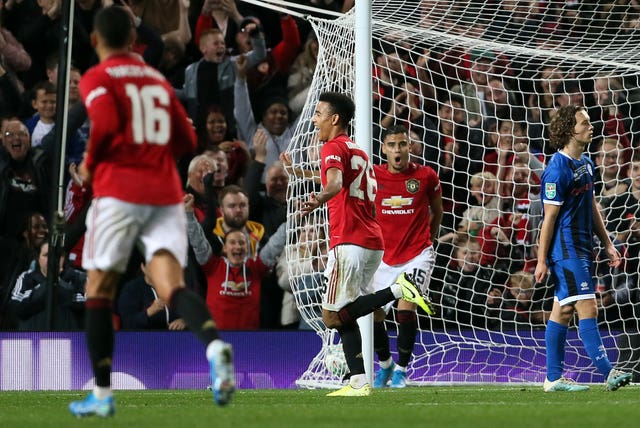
(387,363)
(102,392)
(213,347)
(358,381)
(400,369)
(396,289)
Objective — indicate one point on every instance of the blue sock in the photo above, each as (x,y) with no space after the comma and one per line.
(555,337)
(592,342)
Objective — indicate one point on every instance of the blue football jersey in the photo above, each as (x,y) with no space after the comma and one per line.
(569,183)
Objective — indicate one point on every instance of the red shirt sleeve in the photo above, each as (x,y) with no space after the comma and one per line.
(286,51)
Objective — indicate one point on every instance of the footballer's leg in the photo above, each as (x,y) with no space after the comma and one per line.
(407,329)
(166,244)
(348,296)
(111,224)
(101,289)
(592,341)
(384,276)
(381,347)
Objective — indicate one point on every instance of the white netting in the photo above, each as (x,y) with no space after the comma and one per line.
(476,83)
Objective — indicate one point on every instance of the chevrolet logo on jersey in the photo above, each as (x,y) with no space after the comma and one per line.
(396,202)
(413,185)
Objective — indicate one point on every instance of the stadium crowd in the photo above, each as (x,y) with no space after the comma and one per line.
(243,73)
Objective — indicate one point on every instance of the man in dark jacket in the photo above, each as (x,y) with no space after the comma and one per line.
(24,177)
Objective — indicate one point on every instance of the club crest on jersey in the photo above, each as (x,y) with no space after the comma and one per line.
(550,190)
(413,185)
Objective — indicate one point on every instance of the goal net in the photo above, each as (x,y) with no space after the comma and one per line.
(476,84)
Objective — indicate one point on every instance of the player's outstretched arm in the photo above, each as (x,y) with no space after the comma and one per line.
(332,188)
(197,240)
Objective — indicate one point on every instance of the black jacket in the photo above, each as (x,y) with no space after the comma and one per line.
(29,299)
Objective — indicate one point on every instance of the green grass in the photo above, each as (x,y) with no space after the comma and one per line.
(433,406)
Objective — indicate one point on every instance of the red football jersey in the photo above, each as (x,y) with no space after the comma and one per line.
(402,203)
(233,293)
(138,127)
(352,211)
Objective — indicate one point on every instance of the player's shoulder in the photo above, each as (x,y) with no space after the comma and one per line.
(421,171)
(94,83)
(92,74)
(131,66)
(380,168)
(558,166)
(558,161)
(340,144)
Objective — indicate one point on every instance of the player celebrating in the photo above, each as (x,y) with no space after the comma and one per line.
(409,208)
(138,128)
(570,216)
(355,238)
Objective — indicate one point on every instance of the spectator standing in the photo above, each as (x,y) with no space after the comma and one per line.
(44,103)
(270,209)
(301,74)
(24,178)
(474,91)
(518,310)
(140,308)
(275,121)
(16,255)
(211,79)
(234,279)
(223,15)
(234,205)
(29,296)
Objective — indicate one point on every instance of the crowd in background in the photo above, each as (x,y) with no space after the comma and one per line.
(243,74)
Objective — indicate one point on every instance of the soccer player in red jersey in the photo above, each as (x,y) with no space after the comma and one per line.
(409,208)
(355,238)
(138,129)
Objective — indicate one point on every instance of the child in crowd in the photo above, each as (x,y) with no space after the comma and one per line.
(484,188)
(518,309)
(44,103)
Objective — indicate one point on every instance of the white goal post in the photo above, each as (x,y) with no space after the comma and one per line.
(476,83)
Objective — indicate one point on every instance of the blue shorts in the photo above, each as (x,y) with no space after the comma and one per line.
(573,280)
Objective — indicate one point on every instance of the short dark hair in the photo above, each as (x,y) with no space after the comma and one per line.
(562,126)
(341,105)
(114,24)
(232,189)
(45,86)
(394,129)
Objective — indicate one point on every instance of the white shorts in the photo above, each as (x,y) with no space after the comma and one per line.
(348,275)
(115,226)
(420,268)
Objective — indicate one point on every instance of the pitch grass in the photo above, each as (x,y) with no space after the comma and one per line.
(432,406)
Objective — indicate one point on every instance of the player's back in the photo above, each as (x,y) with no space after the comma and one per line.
(352,211)
(138,127)
(569,182)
